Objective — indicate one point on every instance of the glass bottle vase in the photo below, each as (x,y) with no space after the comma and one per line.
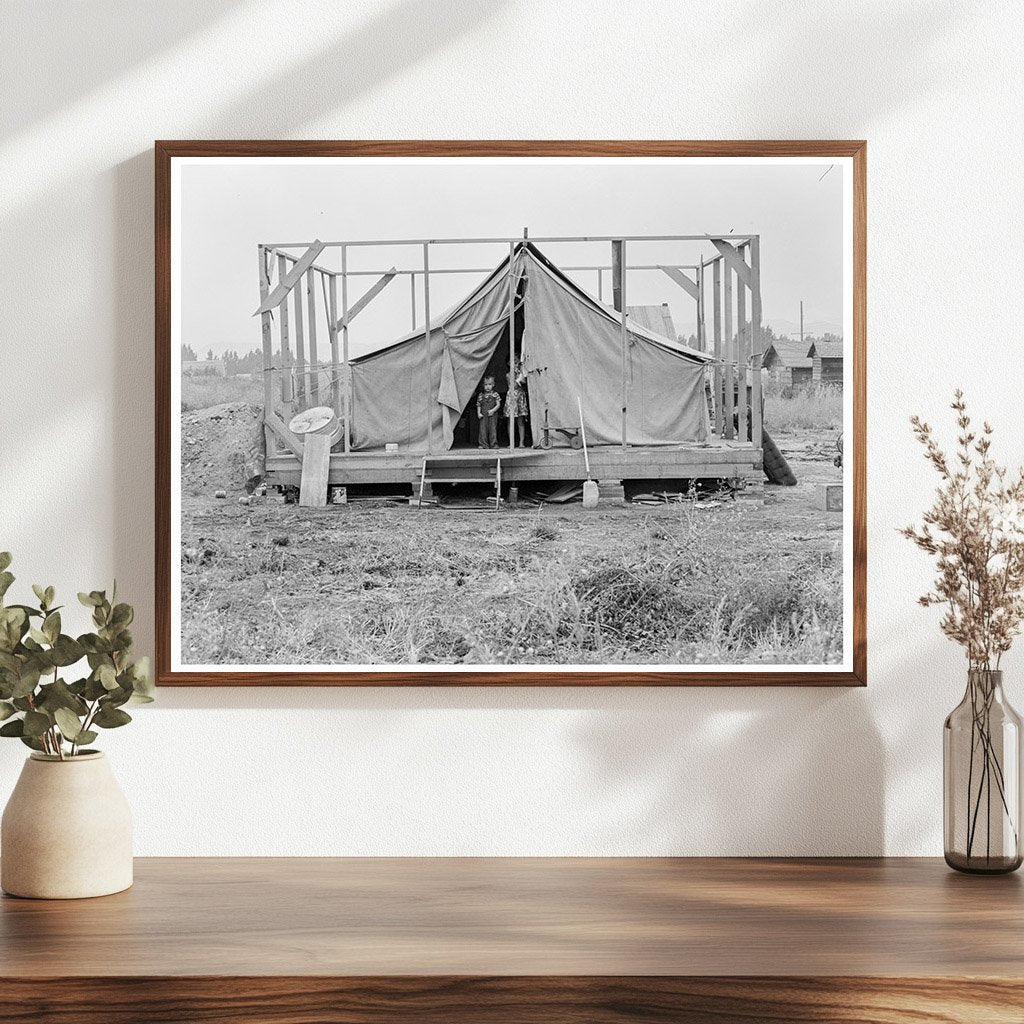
(981,772)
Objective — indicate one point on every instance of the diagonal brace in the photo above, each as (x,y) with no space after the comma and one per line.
(367,298)
(734,259)
(288,282)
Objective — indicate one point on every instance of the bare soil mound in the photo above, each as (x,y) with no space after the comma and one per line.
(221,448)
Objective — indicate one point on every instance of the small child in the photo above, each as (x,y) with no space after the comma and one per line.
(488,404)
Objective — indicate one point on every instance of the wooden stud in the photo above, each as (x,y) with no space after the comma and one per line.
(619,299)
(426,337)
(729,352)
(716,313)
(346,369)
(268,338)
(314,364)
(511,355)
(286,349)
(600,285)
(756,342)
(332,330)
(301,384)
(742,345)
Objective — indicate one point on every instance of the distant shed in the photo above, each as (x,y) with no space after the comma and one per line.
(826,362)
(787,362)
(654,318)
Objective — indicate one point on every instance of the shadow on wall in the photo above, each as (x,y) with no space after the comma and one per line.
(689,771)
(407,32)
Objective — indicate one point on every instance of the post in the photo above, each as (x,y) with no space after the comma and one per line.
(756,343)
(314,364)
(742,413)
(346,379)
(728,368)
(268,340)
(700,306)
(332,330)
(412,296)
(286,350)
(511,348)
(600,285)
(426,338)
(716,313)
(619,301)
(300,348)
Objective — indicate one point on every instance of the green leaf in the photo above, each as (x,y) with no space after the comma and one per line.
(122,616)
(27,681)
(5,559)
(86,736)
(69,724)
(107,676)
(142,682)
(13,728)
(95,646)
(59,695)
(51,626)
(66,651)
(31,741)
(89,600)
(38,635)
(6,710)
(40,593)
(6,579)
(50,595)
(111,718)
(36,723)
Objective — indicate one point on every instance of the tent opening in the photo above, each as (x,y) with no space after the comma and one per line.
(467,431)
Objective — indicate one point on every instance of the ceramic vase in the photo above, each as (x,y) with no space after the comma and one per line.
(66,831)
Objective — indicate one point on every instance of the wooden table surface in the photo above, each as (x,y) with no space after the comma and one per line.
(358,940)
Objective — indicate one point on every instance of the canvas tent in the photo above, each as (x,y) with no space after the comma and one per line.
(571,345)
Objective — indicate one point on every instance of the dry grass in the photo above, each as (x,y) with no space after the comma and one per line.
(203,391)
(392,586)
(809,408)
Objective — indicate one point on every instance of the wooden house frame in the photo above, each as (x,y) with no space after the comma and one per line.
(299,296)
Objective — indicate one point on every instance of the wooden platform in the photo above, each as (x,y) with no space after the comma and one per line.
(714,460)
(505,941)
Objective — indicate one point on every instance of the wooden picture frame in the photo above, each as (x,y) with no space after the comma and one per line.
(853,153)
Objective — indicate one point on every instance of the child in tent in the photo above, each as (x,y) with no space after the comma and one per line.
(516,402)
(488,405)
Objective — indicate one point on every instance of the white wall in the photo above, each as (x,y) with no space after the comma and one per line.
(936,89)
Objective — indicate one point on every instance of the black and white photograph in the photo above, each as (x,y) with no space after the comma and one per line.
(470,414)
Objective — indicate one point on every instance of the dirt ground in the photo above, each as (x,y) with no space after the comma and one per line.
(373,582)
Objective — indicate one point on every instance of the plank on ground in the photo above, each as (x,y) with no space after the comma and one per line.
(316,466)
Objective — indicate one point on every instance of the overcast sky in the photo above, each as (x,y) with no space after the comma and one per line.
(227,209)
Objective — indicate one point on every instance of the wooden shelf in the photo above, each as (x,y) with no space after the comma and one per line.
(715,941)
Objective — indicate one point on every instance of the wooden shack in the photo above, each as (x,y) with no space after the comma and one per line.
(827,362)
(786,361)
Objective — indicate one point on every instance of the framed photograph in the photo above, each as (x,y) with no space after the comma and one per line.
(493,413)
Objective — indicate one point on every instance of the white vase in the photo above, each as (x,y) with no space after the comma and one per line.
(66,831)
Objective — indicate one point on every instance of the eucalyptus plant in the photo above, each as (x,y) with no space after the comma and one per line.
(38,705)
